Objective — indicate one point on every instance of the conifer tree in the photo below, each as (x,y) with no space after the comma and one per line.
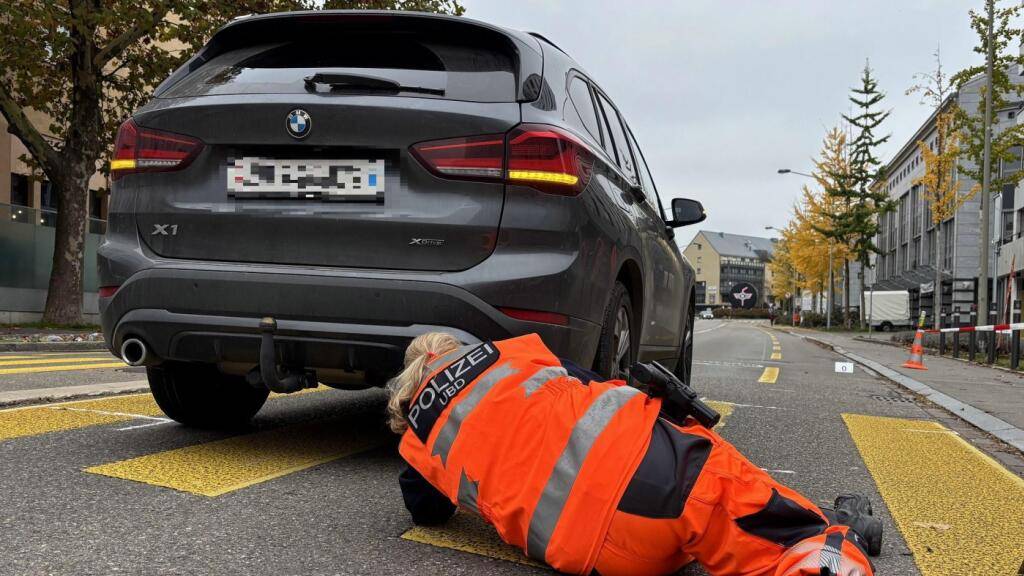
(866,198)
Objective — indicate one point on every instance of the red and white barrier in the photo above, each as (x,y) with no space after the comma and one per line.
(998,328)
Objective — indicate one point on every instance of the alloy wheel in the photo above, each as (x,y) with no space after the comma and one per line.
(622,345)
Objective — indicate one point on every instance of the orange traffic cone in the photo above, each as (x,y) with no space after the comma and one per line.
(916,360)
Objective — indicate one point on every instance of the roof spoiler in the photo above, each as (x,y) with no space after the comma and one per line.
(283,26)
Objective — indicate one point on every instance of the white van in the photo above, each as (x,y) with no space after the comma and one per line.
(887,310)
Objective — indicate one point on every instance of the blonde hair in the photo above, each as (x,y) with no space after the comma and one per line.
(418,355)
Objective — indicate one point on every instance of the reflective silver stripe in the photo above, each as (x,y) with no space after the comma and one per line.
(468,491)
(459,412)
(540,377)
(449,357)
(556,491)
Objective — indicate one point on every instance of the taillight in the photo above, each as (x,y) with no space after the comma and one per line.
(543,157)
(107,291)
(146,150)
(548,159)
(476,157)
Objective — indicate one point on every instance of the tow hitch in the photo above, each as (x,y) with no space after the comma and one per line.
(281,380)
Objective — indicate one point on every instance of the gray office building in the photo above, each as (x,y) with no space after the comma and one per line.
(907,236)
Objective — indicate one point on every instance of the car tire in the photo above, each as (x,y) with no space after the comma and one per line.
(886,327)
(199,395)
(684,366)
(616,348)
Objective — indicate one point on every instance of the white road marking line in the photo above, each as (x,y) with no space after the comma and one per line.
(722,363)
(715,327)
(144,425)
(778,471)
(125,414)
(750,405)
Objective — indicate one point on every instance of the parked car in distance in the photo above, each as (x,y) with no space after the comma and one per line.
(707,314)
(312,190)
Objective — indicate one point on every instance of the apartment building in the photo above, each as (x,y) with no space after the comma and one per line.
(907,236)
(722,261)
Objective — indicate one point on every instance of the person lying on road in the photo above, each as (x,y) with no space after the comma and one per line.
(584,476)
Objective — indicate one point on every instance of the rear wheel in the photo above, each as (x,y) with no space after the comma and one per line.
(200,395)
(616,349)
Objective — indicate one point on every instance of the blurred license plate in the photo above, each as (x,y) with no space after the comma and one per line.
(319,179)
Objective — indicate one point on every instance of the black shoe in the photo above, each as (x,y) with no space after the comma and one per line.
(854,510)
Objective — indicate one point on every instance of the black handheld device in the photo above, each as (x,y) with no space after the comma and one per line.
(678,399)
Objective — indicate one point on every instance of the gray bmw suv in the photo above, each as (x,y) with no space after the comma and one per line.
(312,190)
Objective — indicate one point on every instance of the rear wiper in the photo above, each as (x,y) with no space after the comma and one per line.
(356,82)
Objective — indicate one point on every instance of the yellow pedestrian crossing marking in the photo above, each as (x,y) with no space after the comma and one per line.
(470,533)
(215,468)
(61,368)
(776,356)
(35,420)
(959,510)
(770,375)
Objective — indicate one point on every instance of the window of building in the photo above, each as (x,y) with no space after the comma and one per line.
(579,93)
(48,196)
(698,270)
(21,190)
(95,204)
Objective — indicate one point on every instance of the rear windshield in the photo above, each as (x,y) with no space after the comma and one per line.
(355,64)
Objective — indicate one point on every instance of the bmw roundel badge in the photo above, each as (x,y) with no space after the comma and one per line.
(299,123)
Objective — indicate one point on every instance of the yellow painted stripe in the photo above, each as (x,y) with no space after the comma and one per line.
(61,368)
(776,356)
(470,533)
(34,420)
(770,375)
(215,468)
(960,512)
(6,362)
(723,408)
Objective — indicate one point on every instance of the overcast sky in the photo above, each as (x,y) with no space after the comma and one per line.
(722,94)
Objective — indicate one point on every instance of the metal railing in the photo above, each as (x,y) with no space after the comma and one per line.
(44,217)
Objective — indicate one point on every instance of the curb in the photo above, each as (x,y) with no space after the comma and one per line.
(44,395)
(51,346)
(995,426)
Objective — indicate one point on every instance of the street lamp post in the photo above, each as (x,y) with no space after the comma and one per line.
(828,313)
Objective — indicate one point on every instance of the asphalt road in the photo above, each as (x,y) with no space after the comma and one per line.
(108,485)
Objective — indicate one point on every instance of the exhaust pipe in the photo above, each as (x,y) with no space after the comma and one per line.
(135,353)
(287,381)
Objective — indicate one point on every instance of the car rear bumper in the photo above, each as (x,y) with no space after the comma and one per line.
(324,321)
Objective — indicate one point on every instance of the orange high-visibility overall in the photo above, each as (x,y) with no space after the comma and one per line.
(588,478)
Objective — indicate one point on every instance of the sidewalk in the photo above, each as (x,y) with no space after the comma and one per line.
(991,399)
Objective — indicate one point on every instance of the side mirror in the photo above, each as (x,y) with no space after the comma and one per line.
(686,212)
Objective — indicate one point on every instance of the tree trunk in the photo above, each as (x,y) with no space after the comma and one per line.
(76,164)
(863,287)
(64,295)
(937,293)
(846,294)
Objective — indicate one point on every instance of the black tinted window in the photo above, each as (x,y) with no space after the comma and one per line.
(619,137)
(441,68)
(646,181)
(579,93)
